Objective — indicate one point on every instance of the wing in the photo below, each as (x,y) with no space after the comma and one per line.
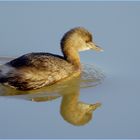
(39,62)
(34,60)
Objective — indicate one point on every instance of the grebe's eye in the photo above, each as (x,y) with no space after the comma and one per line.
(87,41)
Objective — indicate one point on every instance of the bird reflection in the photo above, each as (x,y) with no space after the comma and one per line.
(75,111)
(71,109)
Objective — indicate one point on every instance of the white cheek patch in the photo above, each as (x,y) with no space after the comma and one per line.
(90,46)
(84,48)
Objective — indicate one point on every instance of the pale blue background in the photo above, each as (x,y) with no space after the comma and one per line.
(38,26)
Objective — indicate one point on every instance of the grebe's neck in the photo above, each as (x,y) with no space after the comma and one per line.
(72,56)
(69,48)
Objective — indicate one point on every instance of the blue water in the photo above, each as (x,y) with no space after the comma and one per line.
(38,26)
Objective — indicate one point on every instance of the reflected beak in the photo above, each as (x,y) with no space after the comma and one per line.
(94,47)
(94,106)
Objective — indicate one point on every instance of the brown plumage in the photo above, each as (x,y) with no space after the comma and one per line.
(35,70)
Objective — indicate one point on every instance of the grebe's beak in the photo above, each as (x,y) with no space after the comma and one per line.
(94,47)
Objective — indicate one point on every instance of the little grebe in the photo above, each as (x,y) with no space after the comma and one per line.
(35,70)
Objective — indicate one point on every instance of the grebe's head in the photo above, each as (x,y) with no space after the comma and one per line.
(79,39)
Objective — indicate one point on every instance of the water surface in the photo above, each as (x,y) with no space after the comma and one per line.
(38,27)
(72,110)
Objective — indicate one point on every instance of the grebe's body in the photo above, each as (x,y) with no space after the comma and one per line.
(35,70)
